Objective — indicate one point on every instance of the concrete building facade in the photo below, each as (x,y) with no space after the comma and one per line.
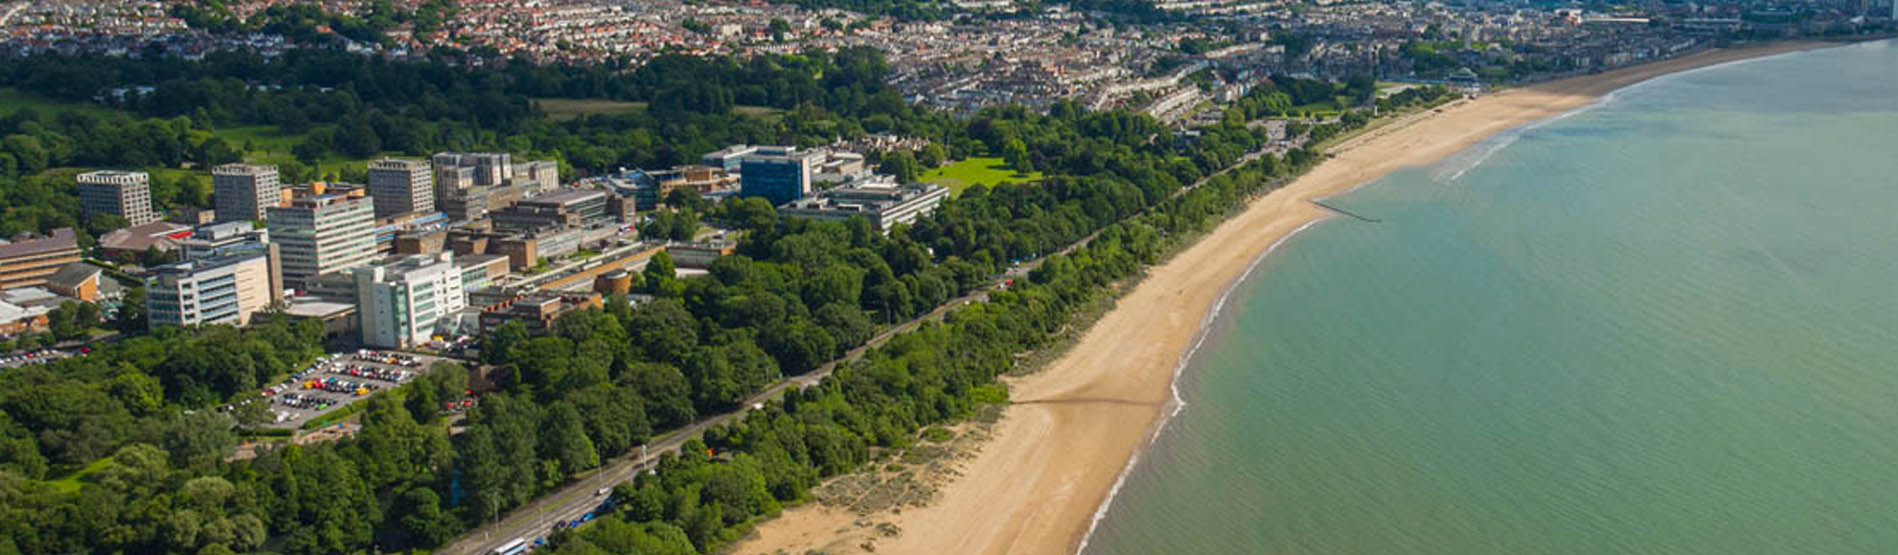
(403,303)
(27,261)
(119,193)
(322,234)
(401,187)
(883,202)
(216,290)
(243,192)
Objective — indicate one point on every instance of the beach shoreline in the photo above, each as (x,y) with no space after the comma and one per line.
(1075,428)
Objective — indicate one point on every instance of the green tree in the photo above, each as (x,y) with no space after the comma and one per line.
(501,340)
(663,330)
(563,439)
(932,156)
(901,165)
(1015,152)
(661,276)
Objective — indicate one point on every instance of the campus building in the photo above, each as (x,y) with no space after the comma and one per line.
(224,289)
(242,192)
(322,234)
(484,168)
(27,260)
(777,174)
(124,194)
(570,208)
(538,176)
(728,159)
(880,200)
(223,238)
(536,310)
(402,303)
(401,187)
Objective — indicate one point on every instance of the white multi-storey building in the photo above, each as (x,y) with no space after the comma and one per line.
(216,290)
(322,234)
(402,303)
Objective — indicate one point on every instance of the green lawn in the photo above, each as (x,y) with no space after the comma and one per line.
(563,109)
(71,482)
(268,146)
(13,100)
(986,170)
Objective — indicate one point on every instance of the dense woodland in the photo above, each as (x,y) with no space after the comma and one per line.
(123,450)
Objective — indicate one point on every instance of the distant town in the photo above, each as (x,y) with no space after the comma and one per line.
(1166,58)
(429,260)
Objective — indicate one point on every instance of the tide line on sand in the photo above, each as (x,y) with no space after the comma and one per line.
(1045,480)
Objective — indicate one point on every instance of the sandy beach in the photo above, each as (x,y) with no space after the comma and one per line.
(1074,426)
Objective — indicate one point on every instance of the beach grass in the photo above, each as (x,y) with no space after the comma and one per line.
(986,170)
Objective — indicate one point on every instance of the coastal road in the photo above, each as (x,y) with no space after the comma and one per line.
(536,519)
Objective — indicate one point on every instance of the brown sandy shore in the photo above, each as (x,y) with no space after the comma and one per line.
(1073,426)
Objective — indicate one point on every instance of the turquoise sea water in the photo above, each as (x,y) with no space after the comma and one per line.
(1664,324)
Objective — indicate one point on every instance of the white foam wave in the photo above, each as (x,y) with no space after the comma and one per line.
(1177,402)
(1454,168)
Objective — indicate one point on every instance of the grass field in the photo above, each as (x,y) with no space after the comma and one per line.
(13,100)
(986,170)
(765,112)
(71,482)
(563,109)
(268,146)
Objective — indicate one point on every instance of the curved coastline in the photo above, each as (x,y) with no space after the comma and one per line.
(1044,483)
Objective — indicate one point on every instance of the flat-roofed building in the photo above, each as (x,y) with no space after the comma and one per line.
(883,202)
(16,319)
(322,234)
(456,193)
(536,310)
(569,208)
(243,192)
(488,168)
(28,260)
(481,270)
(223,238)
(700,254)
(224,289)
(539,176)
(120,193)
(777,174)
(403,303)
(401,187)
(729,158)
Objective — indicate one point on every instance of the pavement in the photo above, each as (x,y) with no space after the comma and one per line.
(298,416)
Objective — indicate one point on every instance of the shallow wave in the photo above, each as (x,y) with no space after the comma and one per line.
(1177,402)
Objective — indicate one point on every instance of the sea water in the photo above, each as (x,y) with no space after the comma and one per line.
(1667,323)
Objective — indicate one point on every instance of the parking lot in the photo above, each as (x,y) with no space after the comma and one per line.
(339,379)
(36,356)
